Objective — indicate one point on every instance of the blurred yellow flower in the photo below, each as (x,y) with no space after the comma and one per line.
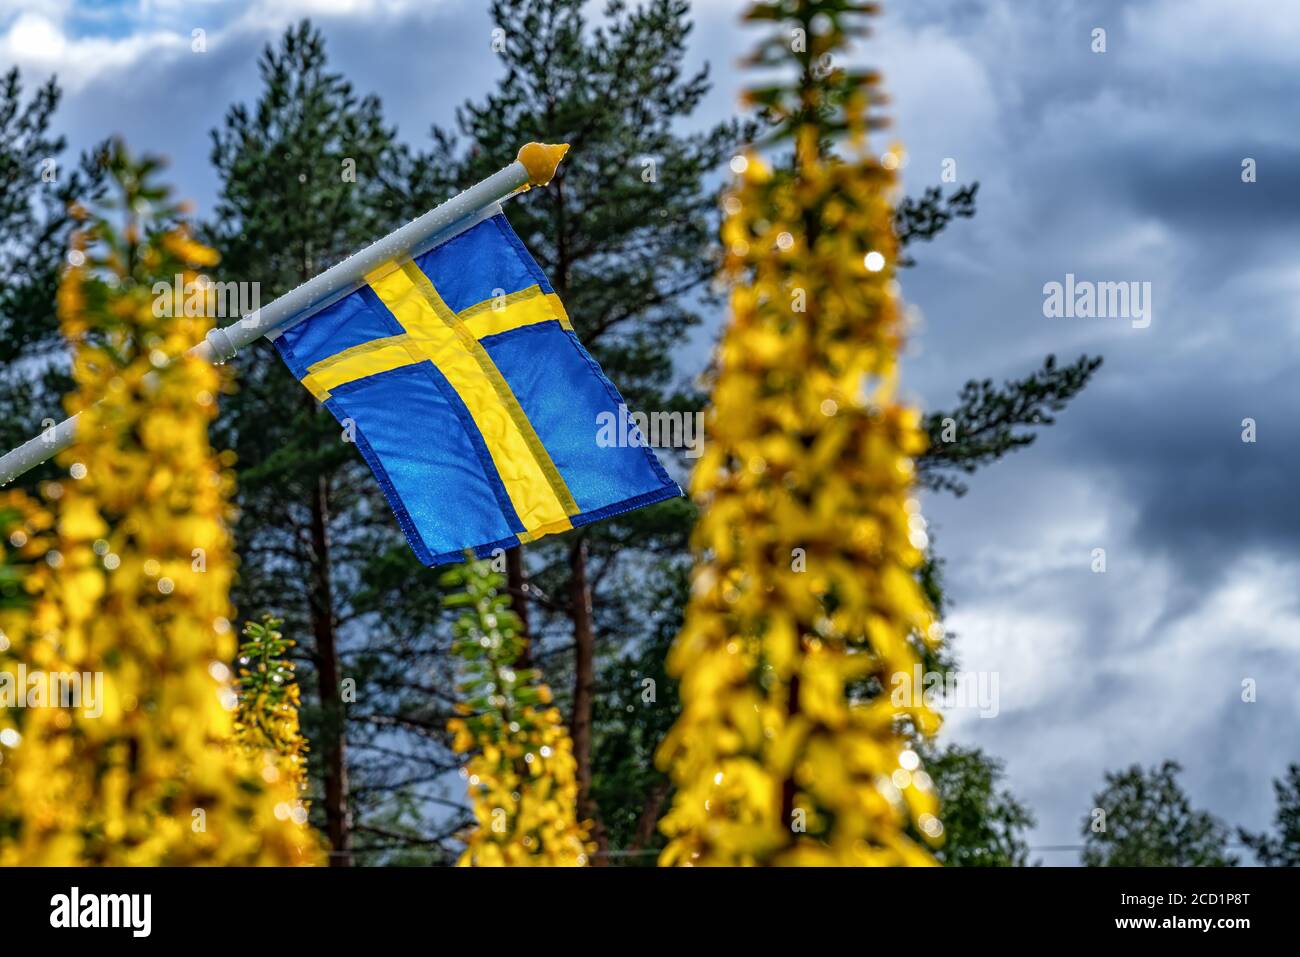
(146,776)
(521,772)
(805,599)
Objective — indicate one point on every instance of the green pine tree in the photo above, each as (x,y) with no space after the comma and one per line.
(984,824)
(991,421)
(625,233)
(1143,818)
(300,190)
(1282,848)
(37,186)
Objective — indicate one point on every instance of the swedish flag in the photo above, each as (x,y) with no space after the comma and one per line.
(471,398)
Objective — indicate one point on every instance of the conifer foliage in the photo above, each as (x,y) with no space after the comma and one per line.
(809,539)
(522,774)
(301,188)
(37,184)
(126,570)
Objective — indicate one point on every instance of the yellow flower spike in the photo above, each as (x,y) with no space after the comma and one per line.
(806,587)
(144,773)
(521,771)
(266,718)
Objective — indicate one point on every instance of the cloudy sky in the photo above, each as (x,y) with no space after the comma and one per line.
(1122,166)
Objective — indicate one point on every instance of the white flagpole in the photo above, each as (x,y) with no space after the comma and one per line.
(535,166)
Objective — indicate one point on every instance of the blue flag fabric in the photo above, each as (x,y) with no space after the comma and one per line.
(461,379)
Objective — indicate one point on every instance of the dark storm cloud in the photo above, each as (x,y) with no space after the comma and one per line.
(1120,166)
(1201,191)
(1201,494)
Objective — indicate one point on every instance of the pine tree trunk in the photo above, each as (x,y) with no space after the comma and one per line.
(650,813)
(337,817)
(517,586)
(584,686)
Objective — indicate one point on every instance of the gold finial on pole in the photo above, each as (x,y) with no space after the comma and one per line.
(541,159)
